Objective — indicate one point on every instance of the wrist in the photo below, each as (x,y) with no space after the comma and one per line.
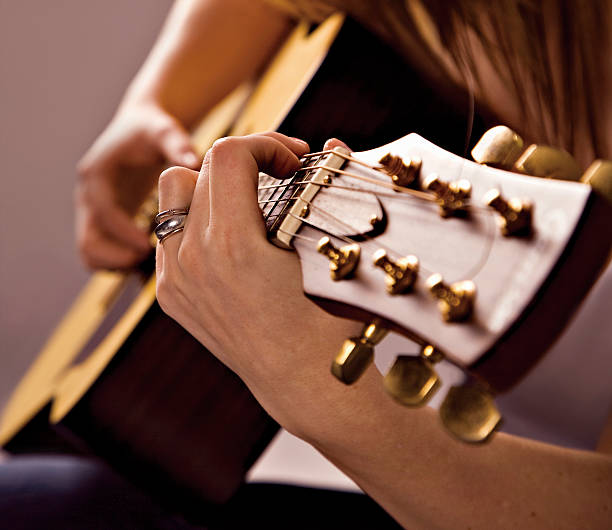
(135,98)
(293,380)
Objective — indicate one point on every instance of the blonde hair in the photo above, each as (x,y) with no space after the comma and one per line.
(548,51)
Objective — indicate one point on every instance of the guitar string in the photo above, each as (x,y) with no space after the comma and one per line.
(426,196)
(346,157)
(349,240)
(377,169)
(471,112)
(280,198)
(491,222)
(473,207)
(346,239)
(472,271)
(488,211)
(315,263)
(342,237)
(330,185)
(401,189)
(489,237)
(404,191)
(282,192)
(299,236)
(307,258)
(354,230)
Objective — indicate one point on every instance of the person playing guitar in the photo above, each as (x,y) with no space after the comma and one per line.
(531,66)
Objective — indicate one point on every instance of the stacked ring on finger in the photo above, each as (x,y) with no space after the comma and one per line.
(170,213)
(172,222)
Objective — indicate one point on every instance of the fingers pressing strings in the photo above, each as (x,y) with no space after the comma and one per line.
(234,164)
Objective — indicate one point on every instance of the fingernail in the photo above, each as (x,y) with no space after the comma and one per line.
(190,160)
(328,143)
(301,142)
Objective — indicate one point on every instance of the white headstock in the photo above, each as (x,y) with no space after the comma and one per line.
(509,272)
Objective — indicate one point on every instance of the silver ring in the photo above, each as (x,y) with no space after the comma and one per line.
(169,213)
(172,225)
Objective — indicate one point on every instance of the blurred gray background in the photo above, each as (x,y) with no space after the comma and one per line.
(64,66)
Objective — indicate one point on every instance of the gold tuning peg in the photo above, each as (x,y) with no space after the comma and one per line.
(342,261)
(453,196)
(456,302)
(599,176)
(515,214)
(357,353)
(400,274)
(401,174)
(499,147)
(412,381)
(469,413)
(548,162)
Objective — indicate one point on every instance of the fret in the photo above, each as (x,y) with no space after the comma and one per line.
(291,204)
(282,197)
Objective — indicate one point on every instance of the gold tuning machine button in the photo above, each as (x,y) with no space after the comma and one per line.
(548,162)
(412,381)
(456,302)
(400,274)
(515,214)
(401,174)
(499,147)
(342,261)
(599,176)
(469,413)
(453,197)
(357,353)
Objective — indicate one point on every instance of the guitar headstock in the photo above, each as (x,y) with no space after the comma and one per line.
(453,254)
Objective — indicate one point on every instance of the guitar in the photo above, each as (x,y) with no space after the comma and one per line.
(121,380)
(480,266)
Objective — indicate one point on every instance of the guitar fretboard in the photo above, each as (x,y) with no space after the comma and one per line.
(277,196)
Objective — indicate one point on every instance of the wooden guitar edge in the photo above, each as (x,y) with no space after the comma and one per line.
(80,377)
(37,387)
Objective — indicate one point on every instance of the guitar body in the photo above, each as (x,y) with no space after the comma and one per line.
(141,392)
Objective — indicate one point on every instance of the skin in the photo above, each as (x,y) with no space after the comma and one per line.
(185,75)
(215,274)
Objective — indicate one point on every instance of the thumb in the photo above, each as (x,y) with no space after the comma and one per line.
(175,145)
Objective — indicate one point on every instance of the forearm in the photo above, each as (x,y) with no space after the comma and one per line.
(205,49)
(426,479)
(402,457)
